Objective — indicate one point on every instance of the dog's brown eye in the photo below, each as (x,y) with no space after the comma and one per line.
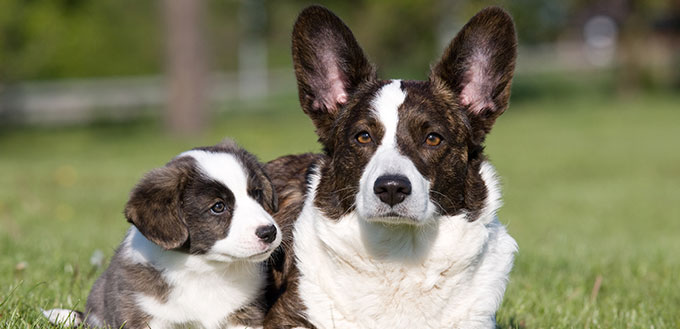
(364,137)
(433,139)
(218,208)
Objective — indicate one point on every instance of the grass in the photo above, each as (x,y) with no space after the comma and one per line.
(591,191)
(591,187)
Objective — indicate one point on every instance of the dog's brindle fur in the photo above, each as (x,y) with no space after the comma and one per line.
(466,91)
(290,182)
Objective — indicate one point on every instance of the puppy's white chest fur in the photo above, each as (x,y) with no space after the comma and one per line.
(199,302)
(202,294)
(358,274)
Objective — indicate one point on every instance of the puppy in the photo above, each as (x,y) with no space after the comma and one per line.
(194,254)
(394,225)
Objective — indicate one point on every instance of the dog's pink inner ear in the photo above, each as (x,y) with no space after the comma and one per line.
(478,64)
(478,84)
(333,92)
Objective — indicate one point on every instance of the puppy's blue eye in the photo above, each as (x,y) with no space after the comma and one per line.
(218,208)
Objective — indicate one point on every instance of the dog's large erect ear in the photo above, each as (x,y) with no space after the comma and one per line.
(329,64)
(478,66)
(155,204)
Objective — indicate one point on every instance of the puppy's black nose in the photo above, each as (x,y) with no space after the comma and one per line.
(392,189)
(266,233)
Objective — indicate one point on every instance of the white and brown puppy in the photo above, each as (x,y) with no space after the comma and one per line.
(394,226)
(194,255)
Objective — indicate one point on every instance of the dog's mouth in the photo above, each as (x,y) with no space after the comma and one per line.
(394,218)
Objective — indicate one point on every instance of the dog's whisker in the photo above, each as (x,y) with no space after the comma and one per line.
(443,195)
(351,188)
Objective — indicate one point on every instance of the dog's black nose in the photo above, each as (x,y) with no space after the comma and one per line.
(266,233)
(392,189)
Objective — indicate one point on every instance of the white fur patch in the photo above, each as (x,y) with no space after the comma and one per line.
(385,107)
(387,160)
(360,274)
(224,168)
(493,200)
(203,292)
(62,317)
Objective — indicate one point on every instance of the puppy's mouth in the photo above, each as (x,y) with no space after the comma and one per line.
(259,256)
(254,258)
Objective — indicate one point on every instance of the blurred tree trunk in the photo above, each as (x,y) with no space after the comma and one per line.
(633,33)
(185,65)
(252,52)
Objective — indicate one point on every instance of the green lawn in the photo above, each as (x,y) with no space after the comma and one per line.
(591,187)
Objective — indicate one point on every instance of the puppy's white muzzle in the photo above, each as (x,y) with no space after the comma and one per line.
(253,234)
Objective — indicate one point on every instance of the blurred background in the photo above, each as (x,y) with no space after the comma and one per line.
(76,61)
(95,93)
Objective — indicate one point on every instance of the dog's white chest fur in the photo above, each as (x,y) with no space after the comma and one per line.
(199,302)
(201,295)
(356,274)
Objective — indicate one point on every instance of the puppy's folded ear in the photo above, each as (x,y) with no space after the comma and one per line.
(269,200)
(270,195)
(478,65)
(155,204)
(329,65)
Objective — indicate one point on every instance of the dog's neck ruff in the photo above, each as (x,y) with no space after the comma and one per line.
(356,273)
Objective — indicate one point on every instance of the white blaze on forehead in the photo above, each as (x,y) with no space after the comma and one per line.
(386,109)
(222,167)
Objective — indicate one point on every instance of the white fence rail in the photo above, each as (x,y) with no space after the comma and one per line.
(83,100)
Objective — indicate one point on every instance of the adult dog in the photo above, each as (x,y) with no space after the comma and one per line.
(394,225)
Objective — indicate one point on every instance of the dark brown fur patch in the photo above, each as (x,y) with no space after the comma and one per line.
(453,166)
(113,296)
(251,315)
(341,172)
(289,175)
(154,206)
